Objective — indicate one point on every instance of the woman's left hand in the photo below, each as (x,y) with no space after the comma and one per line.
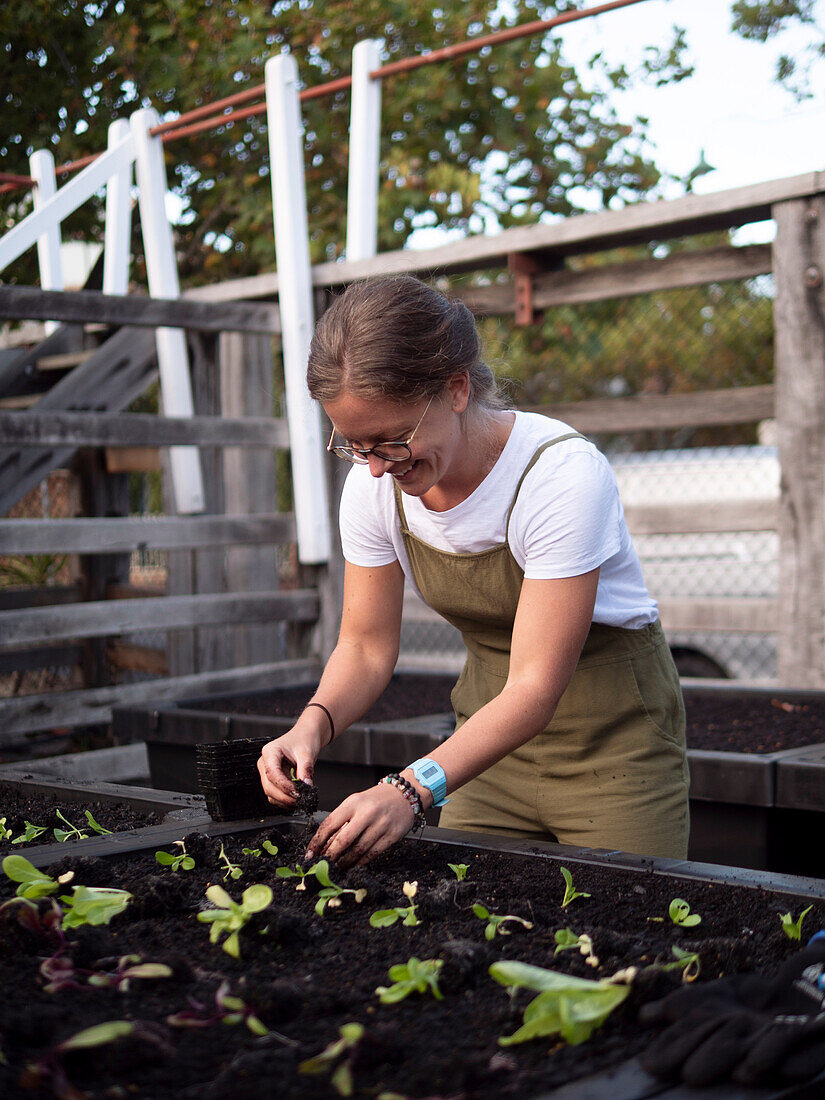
(363,826)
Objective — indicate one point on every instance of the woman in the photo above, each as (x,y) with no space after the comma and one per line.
(569,715)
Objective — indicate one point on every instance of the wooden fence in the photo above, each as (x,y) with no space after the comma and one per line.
(209,588)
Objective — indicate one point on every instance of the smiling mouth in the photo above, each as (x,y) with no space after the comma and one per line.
(399,474)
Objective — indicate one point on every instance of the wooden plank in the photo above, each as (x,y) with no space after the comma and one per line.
(31,303)
(23,660)
(743,405)
(558,288)
(709,517)
(36,626)
(117,535)
(63,362)
(799,322)
(20,401)
(727,615)
(11,599)
(637,223)
(132,460)
(75,429)
(135,591)
(31,713)
(137,658)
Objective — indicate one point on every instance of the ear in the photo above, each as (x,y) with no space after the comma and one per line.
(459,387)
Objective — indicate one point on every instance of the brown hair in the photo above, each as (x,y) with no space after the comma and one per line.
(397,338)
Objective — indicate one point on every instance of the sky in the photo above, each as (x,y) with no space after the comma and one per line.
(750,129)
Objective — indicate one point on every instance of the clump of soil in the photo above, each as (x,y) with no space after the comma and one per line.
(752,723)
(307,798)
(18,807)
(305,975)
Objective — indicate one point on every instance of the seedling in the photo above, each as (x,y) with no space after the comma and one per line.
(228,917)
(679,912)
(459,870)
(338,1058)
(5,834)
(267,846)
(31,832)
(566,1006)
(570,894)
(177,862)
(299,873)
(93,905)
(330,894)
(686,961)
(793,928)
(41,921)
(228,1010)
(232,870)
(495,922)
(33,883)
(566,939)
(76,833)
(384,918)
(61,973)
(413,976)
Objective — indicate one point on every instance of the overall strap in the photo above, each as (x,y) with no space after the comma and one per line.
(536,456)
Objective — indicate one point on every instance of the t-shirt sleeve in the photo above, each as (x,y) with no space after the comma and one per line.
(362,518)
(568,518)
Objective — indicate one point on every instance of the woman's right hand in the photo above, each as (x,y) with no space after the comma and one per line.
(294,753)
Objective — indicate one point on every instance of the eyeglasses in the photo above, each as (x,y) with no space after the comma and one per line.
(395,451)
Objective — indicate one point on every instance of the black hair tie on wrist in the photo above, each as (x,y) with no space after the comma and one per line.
(329,717)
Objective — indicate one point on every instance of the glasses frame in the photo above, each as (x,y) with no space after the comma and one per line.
(359,455)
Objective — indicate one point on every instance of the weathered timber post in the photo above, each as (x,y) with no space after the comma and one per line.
(799,319)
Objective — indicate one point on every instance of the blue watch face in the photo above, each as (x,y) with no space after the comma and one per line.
(430,771)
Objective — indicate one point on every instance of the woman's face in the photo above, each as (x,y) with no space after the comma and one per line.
(437,446)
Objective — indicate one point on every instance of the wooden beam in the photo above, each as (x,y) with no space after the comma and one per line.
(31,303)
(645,412)
(28,714)
(634,224)
(36,626)
(560,288)
(76,429)
(799,325)
(23,660)
(118,535)
(710,517)
(727,615)
(137,658)
(63,362)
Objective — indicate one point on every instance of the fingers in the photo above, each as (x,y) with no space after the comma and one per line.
(277,786)
(362,827)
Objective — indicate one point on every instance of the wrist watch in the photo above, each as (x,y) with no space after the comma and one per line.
(431,775)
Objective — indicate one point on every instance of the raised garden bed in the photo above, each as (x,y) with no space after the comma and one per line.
(305,975)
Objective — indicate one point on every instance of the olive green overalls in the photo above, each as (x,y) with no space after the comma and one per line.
(610,771)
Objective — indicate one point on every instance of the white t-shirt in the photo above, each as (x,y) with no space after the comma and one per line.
(567,520)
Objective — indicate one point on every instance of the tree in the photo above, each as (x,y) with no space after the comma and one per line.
(504,137)
(762,20)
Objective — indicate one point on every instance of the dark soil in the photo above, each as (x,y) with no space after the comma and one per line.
(305,975)
(18,807)
(753,723)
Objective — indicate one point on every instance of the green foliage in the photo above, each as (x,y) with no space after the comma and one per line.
(33,882)
(793,928)
(385,918)
(231,870)
(413,976)
(30,832)
(5,833)
(337,1058)
(267,846)
(495,923)
(77,833)
(30,570)
(570,893)
(763,20)
(566,1006)
(180,861)
(679,912)
(459,870)
(686,961)
(229,917)
(93,905)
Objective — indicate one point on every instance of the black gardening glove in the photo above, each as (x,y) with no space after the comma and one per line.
(747,1027)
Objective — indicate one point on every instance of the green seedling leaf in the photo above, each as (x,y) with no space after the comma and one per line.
(32,832)
(5,834)
(793,928)
(565,940)
(182,861)
(96,826)
(686,961)
(679,912)
(495,922)
(268,846)
(336,1059)
(566,1006)
(98,1035)
(33,883)
(72,833)
(229,917)
(413,976)
(231,870)
(93,905)
(459,870)
(383,918)
(570,894)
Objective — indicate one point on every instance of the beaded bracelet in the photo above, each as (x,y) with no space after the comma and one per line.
(408,791)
